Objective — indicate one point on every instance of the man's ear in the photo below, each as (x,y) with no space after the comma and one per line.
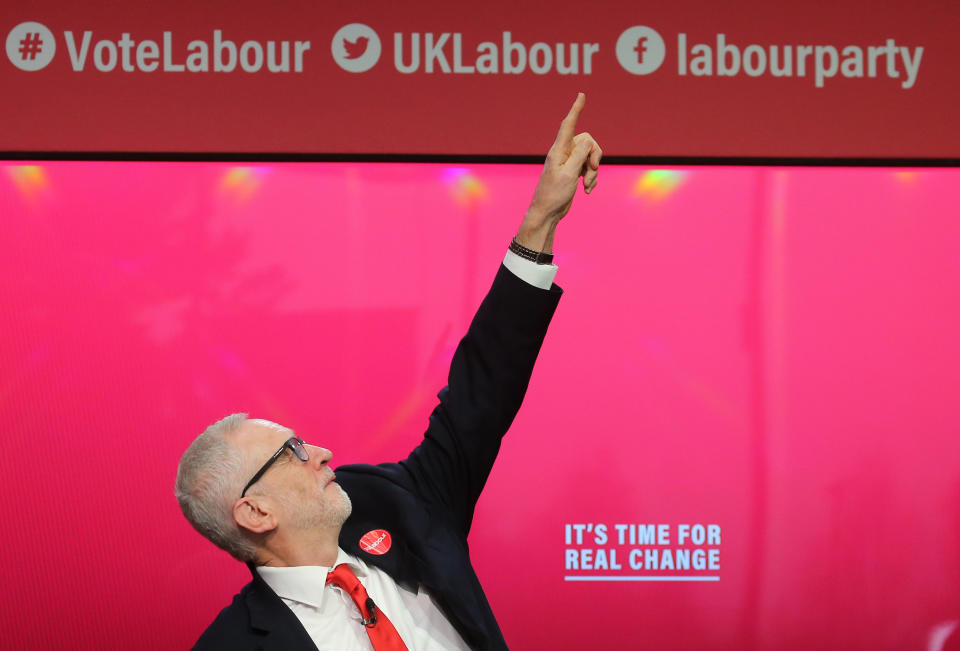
(253,514)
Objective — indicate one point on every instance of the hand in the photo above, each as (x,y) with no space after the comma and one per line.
(570,157)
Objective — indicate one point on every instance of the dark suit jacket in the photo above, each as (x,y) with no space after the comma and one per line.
(426,502)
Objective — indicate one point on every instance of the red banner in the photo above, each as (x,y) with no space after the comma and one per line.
(697,79)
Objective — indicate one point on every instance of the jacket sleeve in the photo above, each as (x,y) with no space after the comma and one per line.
(486,384)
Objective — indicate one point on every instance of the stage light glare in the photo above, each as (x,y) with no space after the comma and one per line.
(658,184)
(466,188)
(30,180)
(241,183)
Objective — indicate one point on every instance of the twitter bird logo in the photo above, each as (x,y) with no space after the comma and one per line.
(355,47)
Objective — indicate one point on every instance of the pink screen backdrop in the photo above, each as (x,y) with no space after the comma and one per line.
(773,352)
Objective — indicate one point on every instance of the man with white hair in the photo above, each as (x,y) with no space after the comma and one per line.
(376,556)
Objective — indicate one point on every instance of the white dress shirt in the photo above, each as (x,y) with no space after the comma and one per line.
(333,621)
(328,613)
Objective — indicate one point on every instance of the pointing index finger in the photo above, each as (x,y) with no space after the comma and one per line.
(569,124)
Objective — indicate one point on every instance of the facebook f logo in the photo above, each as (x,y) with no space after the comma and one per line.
(640,50)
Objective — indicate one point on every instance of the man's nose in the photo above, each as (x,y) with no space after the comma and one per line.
(318,455)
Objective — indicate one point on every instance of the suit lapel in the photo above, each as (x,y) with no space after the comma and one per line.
(405,564)
(399,562)
(270,619)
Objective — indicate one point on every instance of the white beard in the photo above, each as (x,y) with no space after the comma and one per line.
(326,512)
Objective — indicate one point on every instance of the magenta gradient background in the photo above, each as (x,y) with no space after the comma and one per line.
(771,350)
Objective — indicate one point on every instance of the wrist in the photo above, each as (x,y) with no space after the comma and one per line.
(536,234)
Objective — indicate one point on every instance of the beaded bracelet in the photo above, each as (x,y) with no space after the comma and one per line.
(529,254)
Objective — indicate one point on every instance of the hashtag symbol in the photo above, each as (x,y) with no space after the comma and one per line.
(30,46)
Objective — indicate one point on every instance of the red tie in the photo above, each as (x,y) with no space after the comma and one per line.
(381,632)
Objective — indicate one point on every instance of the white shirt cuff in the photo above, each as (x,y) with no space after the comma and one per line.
(538,275)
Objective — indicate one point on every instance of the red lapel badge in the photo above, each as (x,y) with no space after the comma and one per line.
(376,542)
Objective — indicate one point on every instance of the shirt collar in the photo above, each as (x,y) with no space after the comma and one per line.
(305,583)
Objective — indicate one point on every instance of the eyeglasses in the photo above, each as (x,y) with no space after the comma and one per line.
(295,443)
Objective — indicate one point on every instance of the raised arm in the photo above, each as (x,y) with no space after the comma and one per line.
(493,363)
